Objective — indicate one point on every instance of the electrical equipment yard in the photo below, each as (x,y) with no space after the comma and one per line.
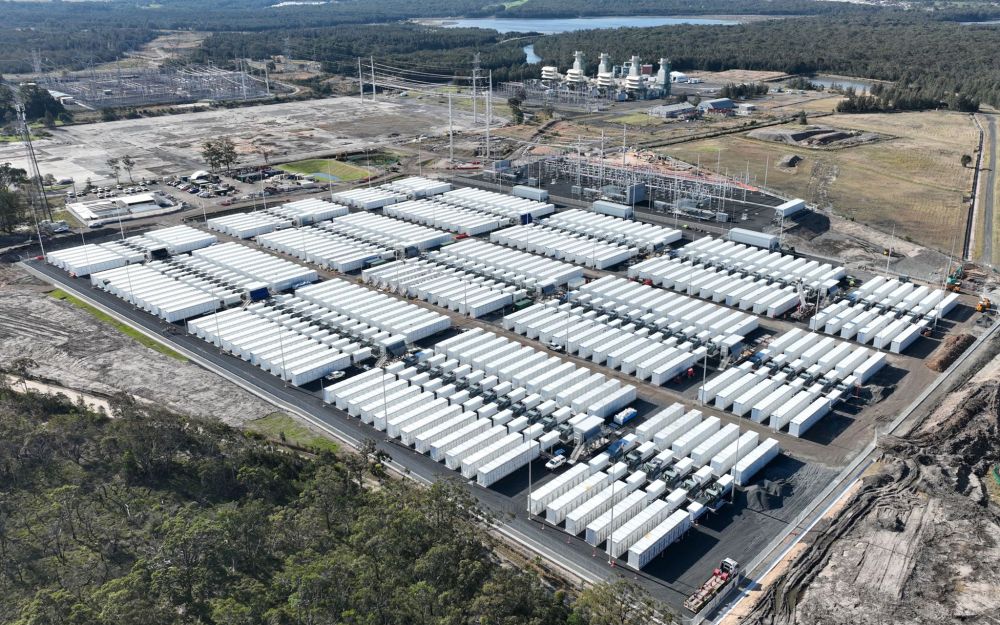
(436,361)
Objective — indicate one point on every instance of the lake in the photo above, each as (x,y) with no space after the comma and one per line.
(556,25)
(860,85)
(529,55)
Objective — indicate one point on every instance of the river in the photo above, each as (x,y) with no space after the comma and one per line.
(554,26)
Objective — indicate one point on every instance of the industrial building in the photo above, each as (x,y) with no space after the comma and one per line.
(491,332)
(671,111)
(99,212)
(717,106)
(630,80)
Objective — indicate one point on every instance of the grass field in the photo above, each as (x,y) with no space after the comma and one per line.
(638,118)
(276,424)
(118,325)
(343,171)
(65,215)
(915,180)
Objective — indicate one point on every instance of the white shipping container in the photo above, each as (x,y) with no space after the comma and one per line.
(506,464)
(659,538)
(755,461)
(725,459)
(599,529)
(557,486)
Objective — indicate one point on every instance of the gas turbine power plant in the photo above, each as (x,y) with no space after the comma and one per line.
(631,80)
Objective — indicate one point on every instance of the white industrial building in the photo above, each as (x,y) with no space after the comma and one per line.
(98,212)
(631,78)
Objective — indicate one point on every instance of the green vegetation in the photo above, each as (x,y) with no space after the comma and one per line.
(68,217)
(437,54)
(928,52)
(13,209)
(929,56)
(40,108)
(146,517)
(219,154)
(282,428)
(343,171)
(118,325)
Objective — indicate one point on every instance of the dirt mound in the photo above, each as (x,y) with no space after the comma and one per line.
(949,349)
(789,160)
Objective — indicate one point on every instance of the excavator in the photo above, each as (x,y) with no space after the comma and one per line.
(984,305)
(954,282)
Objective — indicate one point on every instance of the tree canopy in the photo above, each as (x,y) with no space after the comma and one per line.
(148,517)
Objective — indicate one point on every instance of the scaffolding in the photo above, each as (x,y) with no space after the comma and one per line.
(139,87)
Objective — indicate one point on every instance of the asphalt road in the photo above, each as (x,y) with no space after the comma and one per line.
(989,189)
(741,529)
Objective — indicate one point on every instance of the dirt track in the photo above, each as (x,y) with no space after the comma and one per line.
(76,351)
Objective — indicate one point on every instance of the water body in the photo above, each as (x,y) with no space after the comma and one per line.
(554,26)
(529,55)
(860,85)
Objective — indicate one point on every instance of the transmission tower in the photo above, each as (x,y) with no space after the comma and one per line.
(38,202)
(475,83)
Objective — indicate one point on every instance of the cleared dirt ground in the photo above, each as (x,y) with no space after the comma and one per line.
(919,541)
(76,351)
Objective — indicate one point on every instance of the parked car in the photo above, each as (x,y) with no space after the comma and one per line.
(557,460)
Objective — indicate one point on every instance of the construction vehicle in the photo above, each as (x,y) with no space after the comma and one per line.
(984,305)
(954,281)
(727,571)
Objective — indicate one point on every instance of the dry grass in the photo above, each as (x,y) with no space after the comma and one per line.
(915,181)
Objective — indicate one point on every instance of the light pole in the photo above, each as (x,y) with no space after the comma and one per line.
(611,527)
(704,375)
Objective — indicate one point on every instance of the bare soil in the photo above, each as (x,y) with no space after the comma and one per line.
(76,351)
(919,541)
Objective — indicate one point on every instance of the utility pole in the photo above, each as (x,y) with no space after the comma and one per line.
(475,83)
(451,134)
(489,114)
(373,77)
(42,203)
(888,257)
(600,175)
(361,82)
(624,132)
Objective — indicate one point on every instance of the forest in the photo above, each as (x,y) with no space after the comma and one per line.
(930,54)
(931,59)
(144,517)
(440,51)
(73,35)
